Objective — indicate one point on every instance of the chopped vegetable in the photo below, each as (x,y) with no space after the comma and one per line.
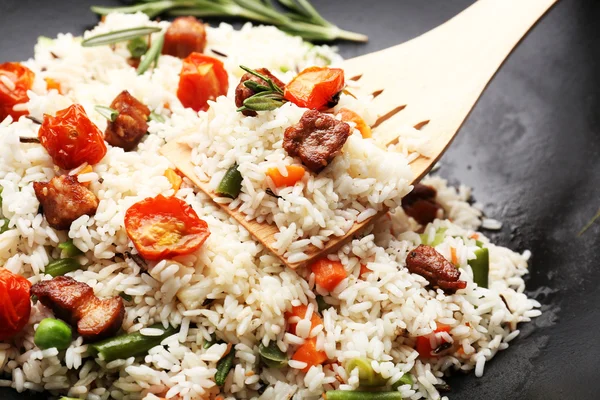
(300,18)
(322,304)
(481,267)
(131,344)
(4,225)
(68,249)
(164,227)
(53,333)
(315,87)
(272,356)
(366,375)
(356,395)
(258,90)
(52,84)
(231,184)
(294,174)
(126,297)
(453,256)
(61,267)
(224,366)
(309,354)
(350,116)
(208,343)
(154,116)
(405,379)
(21,79)
(364,270)
(152,55)
(118,36)
(71,138)
(173,178)
(300,311)
(438,238)
(202,78)
(423,344)
(137,47)
(328,273)
(15,305)
(107,112)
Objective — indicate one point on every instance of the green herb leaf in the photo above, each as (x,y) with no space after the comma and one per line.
(137,47)
(263,101)
(272,85)
(4,222)
(152,55)
(208,343)
(224,366)
(255,86)
(156,117)
(109,113)
(125,296)
(121,35)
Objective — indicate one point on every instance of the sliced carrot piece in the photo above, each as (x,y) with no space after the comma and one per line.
(364,269)
(453,254)
(300,311)
(294,174)
(52,84)
(173,178)
(309,354)
(328,274)
(86,170)
(361,125)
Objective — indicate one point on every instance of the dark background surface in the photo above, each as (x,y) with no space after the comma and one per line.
(530,150)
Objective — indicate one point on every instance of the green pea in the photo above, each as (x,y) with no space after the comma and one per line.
(53,333)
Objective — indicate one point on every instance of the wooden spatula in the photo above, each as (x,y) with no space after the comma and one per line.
(431,82)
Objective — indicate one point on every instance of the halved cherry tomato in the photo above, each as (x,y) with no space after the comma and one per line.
(423,345)
(71,138)
(300,311)
(163,227)
(315,87)
(309,354)
(361,125)
(22,80)
(52,84)
(294,174)
(202,78)
(328,273)
(15,305)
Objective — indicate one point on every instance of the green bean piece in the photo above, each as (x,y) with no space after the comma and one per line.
(68,249)
(272,356)
(322,304)
(68,398)
(4,227)
(154,116)
(137,47)
(125,296)
(130,344)
(231,184)
(208,343)
(224,366)
(366,375)
(60,267)
(356,395)
(405,379)
(481,267)
(53,333)
(1,189)
(437,239)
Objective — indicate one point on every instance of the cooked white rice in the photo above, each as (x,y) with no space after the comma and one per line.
(377,316)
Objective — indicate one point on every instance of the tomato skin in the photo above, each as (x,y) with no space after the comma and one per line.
(202,78)
(71,138)
(423,344)
(15,305)
(164,227)
(315,87)
(22,77)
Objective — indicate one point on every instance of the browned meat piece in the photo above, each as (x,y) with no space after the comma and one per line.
(242,92)
(64,200)
(131,124)
(185,36)
(427,262)
(421,205)
(76,303)
(317,138)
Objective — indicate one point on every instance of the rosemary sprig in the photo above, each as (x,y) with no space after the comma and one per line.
(121,35)
(152,55)
(265,98)
(109,113)
(300,17)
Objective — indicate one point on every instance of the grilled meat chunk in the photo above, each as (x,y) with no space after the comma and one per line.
(242,92)
(185,36)
(64,199)
(421,205)
(427,262)
(131,124)
(317,138)
(76,303)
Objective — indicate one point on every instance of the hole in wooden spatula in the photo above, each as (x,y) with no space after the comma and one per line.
(376,93)
(388,115)
(421,124)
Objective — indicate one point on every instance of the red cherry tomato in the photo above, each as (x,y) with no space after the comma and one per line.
(71,138)
(202,78)
(315,87)
(423,345)
(164,227)
(22,80)
(15,305)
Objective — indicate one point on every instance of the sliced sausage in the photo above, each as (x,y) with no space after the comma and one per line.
(131,124)
(76,303)
(317,138)
(64,199)
(421,205)
(185,36)
(242,92)
(431,265)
